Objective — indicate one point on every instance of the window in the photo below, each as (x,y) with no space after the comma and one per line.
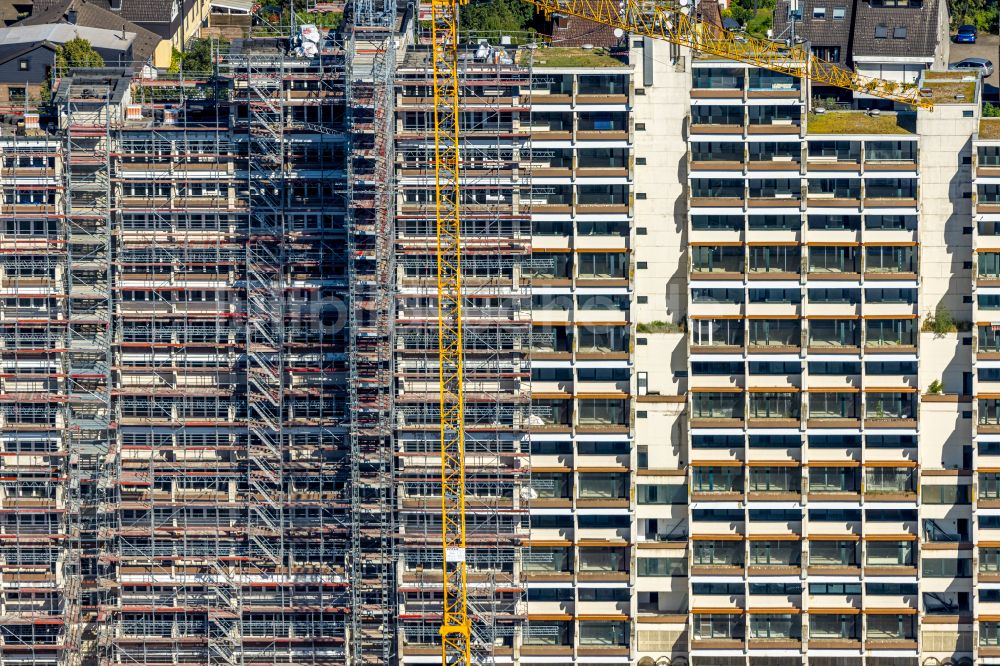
(602,485)
(827,53)
(881,31)
(945,494)
(833,627)
(899,33)
(604,594)
(890,554)
(946,568)
(775,553)
(833,554)
(834,479)
(834,588)
(661,494)
(661,566)
(723,626)
(819,12)
(23,65)
(541,632)
(784,626)
(839,13)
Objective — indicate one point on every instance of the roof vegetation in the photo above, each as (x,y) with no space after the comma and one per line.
(566,56)
(858,122)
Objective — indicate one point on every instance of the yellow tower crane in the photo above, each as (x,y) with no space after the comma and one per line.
(659,20)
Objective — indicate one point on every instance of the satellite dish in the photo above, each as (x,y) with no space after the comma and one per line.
(619,33)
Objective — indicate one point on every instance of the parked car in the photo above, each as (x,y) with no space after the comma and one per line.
(966,34)
(974,64)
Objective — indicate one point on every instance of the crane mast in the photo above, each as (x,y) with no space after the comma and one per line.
(455,624)
(659,20)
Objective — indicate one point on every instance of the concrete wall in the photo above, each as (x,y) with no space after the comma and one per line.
(945,223)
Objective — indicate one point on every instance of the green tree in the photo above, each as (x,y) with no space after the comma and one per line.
(981,13)
(991,110)
(496,16)
(197,57)
(78,52)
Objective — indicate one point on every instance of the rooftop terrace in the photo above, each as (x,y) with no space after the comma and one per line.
(989,128)
(859,122)
(949,87)
(566,56)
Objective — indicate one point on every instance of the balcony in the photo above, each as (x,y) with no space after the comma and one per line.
(775,631)
(784,119)
(834,557)
(891,262)
(717,558)
(775,557)
(890,192)
(834,192)
(717,261)
(833,482)
(987,198)
(717,192)
(716,156)
(834,409)
(834,335)
(775,262)
(832,155)
(717,83)
(775,481)
(891,484)
(717,409)
(774,156)
(889,557)
(988,415)
(885,409)
(718,631)
(765,84)
(711,119)
(891,335)
(890,156)
(717,483)
(834,262)
(834,630)
(988,160)
(775,193)
(775,409)
(775,335)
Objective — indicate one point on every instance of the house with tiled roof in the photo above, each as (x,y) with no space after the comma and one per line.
(888,39)
(169,24)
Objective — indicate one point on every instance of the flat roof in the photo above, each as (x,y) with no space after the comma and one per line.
(861,123)
(60,33)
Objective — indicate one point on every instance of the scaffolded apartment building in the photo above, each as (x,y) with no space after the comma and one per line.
(197,407)
(700,428)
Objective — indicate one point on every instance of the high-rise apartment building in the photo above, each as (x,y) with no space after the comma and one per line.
(731,369)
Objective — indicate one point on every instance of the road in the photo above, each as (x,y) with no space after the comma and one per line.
(987,46)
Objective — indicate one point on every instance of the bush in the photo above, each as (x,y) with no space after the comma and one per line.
(943,321)
(991,110)
(936,387)
(658,326)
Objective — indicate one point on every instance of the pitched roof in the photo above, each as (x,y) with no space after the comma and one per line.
(894,32)
(820,31)
(574,31)
(92,15)
(10,51)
